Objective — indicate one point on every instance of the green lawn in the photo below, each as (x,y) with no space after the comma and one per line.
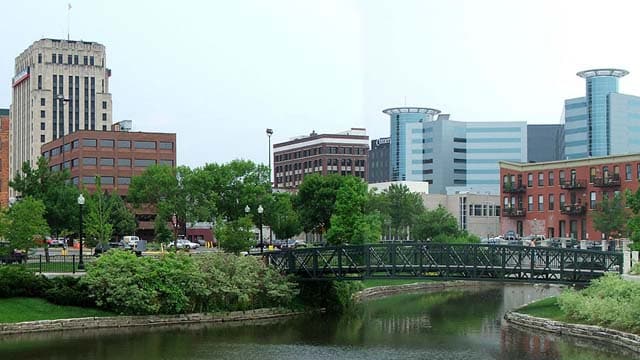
(14,310)
(369,283)
(546,308)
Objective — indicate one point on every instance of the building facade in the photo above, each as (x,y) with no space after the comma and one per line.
(343,153)
(4,157)
(59,87)
(379,160)
(452,156)
(545,142)
(604,122)
(559,198)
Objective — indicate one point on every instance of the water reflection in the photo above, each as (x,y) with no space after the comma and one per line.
(448,325)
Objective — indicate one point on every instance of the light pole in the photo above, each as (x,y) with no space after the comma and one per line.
(81,204)
(174,221)
(269,133)
(62,100)
(260,211)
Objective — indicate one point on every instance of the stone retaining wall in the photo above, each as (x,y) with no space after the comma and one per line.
(596,333)
(132,321)
(382,291)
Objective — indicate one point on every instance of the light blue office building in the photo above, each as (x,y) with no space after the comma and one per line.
(604,122)
(427,146)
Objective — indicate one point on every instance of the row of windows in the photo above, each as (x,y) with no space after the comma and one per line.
(110,162)
(297,178)
(107,143)
(594,173)
(104,180)
(318,162)
(574,200)
(319,151)
(484,210)
(71,59)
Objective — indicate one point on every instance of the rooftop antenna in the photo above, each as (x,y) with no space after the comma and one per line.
(68,21)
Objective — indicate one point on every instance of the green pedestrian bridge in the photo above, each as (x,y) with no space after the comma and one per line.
(447,262)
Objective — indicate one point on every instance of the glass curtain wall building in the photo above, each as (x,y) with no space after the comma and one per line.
(603,122)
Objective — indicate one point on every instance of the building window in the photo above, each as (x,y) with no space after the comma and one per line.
(562,200)
(106,180)
(43,126)
(540,179)
(106,161)
(551,202)
(166,162)
(124,162)
(85,60)
(124,180)
(561,176)
(104,116)
(69,59)
(551,179)
(104,127)
(540,202)
(74,162)
(124,144)
(89,161)
(88,180)
(529,180)
(39,82)
(592,200)
(627,172)
(144,162)
(59,58)
(530,203)
(43,101)
(108,143)
(166,145)
(53,58)
(91,60)
(75,59)
(39,58)
(145,144)
(89,142)
(42,138)
(42,114)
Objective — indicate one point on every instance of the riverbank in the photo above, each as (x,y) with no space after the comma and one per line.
(389,290)
(144,321)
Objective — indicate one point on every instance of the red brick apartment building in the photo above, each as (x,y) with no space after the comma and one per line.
(4,157)
(558,198)
(343,153)
(115,156)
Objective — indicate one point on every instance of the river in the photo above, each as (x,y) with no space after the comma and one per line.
(449,325)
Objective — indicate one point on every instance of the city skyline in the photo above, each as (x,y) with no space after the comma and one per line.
(229,71)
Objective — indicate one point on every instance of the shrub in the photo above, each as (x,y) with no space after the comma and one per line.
(635,269)
(66,290)
(335,296)
(609,301)
(17,281)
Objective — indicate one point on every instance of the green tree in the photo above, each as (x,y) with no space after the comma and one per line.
(403,208)
(315,201)
(235,235)
(610,217)
(349,223)
(25,223)
(55,191)
(437,224)
(162,232)
(285,222)
(122,219)
(98,223)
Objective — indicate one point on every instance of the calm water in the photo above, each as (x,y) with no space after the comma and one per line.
(451,325)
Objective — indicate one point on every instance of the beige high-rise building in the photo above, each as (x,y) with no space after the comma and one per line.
(59,86)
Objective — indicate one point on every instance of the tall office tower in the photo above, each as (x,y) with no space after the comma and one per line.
(462,156)
(545,142)
(379,160)
(4,157)
(604,122)
(59,86)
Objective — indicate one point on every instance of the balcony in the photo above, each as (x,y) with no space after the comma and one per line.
(513,189)
(607,181)
(573,184)
(513,212)
(573,210)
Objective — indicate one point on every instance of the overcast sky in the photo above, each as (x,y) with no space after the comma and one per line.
(218,73)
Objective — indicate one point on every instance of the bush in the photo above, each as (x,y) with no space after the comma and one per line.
(609,301)
(335,296)
(70,291)
(16,281)
(635,269)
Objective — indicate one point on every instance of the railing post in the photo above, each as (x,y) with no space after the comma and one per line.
(315,263)
(339,250)
(533,261)
(367,258)
(562,252)
(392,257)
(40,263)
(291,261)
(475,261)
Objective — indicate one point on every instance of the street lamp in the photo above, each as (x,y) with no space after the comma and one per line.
(260,211)
(81,204)
(269,133)
(62,100)
(174,222)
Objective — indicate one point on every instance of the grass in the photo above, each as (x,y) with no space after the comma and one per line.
(369,283)
(546,308)
(15,310)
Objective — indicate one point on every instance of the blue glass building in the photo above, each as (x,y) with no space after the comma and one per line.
(604,122)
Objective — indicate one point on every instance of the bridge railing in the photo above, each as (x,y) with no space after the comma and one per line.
(430,260)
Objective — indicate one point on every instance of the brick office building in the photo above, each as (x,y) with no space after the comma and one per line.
(115,156)
(4,157)
(558,198)
(343,153)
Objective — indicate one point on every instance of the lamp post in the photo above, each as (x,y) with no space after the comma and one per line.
(260,211)
(174,221)
(269,133)
(81,204)
(62,100)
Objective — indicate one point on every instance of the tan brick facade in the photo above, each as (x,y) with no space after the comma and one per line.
(4,157)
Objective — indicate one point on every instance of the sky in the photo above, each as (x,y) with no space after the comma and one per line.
(218,73)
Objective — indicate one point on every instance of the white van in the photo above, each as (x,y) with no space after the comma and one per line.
(130,241)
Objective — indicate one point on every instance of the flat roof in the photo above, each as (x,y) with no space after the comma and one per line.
(590,161)
(602,72)
(411,109)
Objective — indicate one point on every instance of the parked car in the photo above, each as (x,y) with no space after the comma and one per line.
(183,244)
(56,242)
(130,242)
